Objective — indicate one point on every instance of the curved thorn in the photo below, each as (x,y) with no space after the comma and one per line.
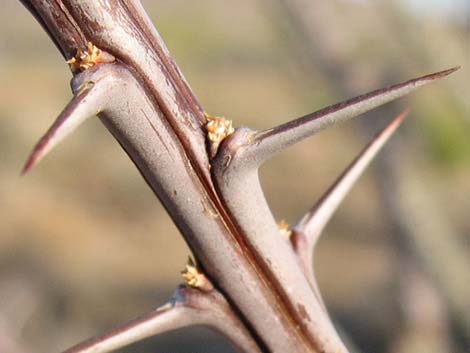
(86,103)
(269,142)
(187,307)
(307,232)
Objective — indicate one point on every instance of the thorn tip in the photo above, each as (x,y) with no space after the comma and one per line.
(78,110)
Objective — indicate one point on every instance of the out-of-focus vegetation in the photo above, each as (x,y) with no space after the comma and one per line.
(85,245)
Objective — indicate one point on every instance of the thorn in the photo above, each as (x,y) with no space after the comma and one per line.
(391,127)
(313,223)
(446,72)
(268,142)
(86,103)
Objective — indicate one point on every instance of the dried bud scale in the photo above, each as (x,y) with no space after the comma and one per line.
(284,229)
(218,128)
(85,59)
(195,278)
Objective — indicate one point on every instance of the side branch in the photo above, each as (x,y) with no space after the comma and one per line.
(235,171)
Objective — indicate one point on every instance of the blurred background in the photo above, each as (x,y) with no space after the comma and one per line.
(84,245)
